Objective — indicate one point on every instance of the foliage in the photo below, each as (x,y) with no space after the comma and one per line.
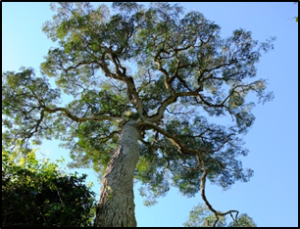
(37,194)
(182,73)
(243,221)
(200,216)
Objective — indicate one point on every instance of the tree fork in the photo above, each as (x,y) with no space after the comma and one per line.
(116,204)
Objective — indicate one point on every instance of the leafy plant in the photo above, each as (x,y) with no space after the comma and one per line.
(38,194)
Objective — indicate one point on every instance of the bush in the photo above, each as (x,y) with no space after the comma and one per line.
(36,194)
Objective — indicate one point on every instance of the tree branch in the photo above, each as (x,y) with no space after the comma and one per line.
(160,113)
(174,140)
(132,92)
(109,117)
(161,69)
(67,113)
(217,214)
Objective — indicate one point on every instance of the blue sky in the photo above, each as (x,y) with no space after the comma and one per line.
(271,196)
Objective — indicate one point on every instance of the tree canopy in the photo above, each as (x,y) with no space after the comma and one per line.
(168,71)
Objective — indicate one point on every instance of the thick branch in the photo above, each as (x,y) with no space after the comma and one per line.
(132,92)
(160,113)
(181,148)
(161,69)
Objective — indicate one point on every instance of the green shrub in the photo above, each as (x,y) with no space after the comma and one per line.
(36,194)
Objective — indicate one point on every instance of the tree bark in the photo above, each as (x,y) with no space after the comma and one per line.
(116,204)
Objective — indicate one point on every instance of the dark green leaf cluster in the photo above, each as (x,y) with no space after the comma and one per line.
(36,194)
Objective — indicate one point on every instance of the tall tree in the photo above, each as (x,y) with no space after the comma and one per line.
(143,82)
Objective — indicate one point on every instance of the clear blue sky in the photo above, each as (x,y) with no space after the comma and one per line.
(271,196)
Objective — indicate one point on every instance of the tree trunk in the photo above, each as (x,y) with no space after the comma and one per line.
(116,204)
